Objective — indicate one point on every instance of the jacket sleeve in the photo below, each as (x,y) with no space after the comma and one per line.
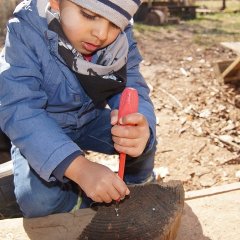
(22,109)
(136,80)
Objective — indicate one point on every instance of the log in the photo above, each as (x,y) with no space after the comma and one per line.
(157,17)
(152,211)
(55,227)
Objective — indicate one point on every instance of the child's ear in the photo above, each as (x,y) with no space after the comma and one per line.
(54,4)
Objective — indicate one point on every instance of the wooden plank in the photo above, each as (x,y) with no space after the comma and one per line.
(234,46)
(6,169)
(203,11)
(212,191)
(232,72)
(58,226)
(220,67)
(229,71)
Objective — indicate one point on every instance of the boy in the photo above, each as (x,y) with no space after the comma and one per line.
(63,63)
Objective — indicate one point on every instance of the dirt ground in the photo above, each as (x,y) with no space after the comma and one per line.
(198,115)
(198,125)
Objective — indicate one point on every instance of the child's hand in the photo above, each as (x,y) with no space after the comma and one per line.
(97,181)
(131,139)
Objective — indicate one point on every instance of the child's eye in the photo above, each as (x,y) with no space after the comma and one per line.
(88,16)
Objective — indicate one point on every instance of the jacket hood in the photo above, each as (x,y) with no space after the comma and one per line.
(28,11)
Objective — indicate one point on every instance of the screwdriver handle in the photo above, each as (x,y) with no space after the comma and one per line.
(128,104)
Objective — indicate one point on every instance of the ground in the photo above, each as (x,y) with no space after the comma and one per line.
(198,128)
(194,109)
(196,112)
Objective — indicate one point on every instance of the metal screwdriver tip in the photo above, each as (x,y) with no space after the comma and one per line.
(117,208)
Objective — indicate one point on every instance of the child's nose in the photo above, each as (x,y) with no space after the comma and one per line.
(101,29)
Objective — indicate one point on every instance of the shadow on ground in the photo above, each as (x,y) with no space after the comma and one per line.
(190,227)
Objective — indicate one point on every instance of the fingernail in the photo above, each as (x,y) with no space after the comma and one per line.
(113,121)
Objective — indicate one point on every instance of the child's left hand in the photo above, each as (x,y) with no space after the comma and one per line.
(132,135)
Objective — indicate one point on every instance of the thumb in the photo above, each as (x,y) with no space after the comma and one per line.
(132,119)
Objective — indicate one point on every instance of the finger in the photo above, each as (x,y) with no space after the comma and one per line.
(114,194)
(124,142)
(130,132)
(133,119)
(107,198)
(96,199)
(114,117)
(127,191)
(121,187)
(133,152)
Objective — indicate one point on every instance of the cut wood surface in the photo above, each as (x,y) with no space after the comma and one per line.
(152,211)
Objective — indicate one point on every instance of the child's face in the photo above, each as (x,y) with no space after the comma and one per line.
(85,30)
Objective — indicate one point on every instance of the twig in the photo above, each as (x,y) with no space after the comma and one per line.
(225,141)
(201,148)
(233,161)
(172,97)
(167,150)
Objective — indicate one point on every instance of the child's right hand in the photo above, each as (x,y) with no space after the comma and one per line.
(96,180)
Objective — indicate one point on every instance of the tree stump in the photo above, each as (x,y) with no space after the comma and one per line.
(152,211)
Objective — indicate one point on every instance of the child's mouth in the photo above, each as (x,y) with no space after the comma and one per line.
(90,47)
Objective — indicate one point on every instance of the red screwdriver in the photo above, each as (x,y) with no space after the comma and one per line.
(128,104)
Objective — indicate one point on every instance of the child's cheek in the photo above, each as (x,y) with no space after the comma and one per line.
(70,17)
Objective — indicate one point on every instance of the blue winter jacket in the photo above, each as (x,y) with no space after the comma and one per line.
(41,100)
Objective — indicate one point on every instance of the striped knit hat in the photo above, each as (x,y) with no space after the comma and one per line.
(118,12)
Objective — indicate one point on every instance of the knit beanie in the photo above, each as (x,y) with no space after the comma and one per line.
(118,12)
